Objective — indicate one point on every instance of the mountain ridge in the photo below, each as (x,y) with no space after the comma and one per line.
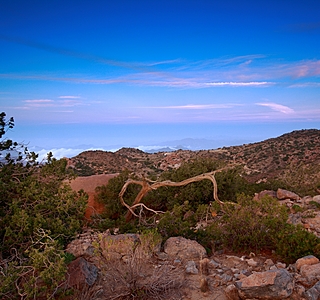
(261,160)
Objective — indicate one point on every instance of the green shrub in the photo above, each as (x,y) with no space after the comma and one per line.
(249,225)
(173,223)
(108,195)
(293,242)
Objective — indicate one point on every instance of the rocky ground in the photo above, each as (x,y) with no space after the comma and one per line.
(127,265)
(183,271)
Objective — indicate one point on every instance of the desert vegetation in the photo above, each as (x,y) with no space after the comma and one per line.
(187,207)
(205,197)
(39,215)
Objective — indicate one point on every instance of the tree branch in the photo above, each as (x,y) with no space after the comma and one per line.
(148,185)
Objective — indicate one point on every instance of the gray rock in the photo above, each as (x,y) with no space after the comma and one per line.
(191,268)
(272,284)
(225,278)
(313,293)
(81,272)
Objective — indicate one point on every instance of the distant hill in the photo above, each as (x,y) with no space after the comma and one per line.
(261,161)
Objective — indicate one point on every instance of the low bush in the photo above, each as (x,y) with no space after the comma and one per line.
(262,225)
(249,225)
(293,241)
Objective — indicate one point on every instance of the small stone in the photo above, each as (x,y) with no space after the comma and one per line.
(162,256)
(213,264)
(226,278)
(231,292)
(280,265)
(235,270)
(268,264)
(219,270)
(233,261)
(191,268)
(252,263)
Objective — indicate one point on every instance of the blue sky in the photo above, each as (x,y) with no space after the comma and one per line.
(107,74)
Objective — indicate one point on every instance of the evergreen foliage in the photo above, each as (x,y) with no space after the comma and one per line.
(39,215)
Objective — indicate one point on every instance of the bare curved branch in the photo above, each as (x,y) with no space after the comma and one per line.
(148,185)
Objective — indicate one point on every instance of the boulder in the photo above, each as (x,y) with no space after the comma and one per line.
(81,273)
(284,194)
(184,249)
(306,260)
(313,293)
(272,284)
(316,199)
(310,272)
(259,196)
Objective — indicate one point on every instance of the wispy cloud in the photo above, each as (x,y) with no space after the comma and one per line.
(240,71)
(194,106)
(277,107)
(69,97)
(305,85)
(141,79)
(46,103)
(39,103)
(251,83)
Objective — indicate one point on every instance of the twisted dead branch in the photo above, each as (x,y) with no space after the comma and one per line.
(148,185)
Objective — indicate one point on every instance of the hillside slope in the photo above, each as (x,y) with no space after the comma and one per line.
(290,153)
